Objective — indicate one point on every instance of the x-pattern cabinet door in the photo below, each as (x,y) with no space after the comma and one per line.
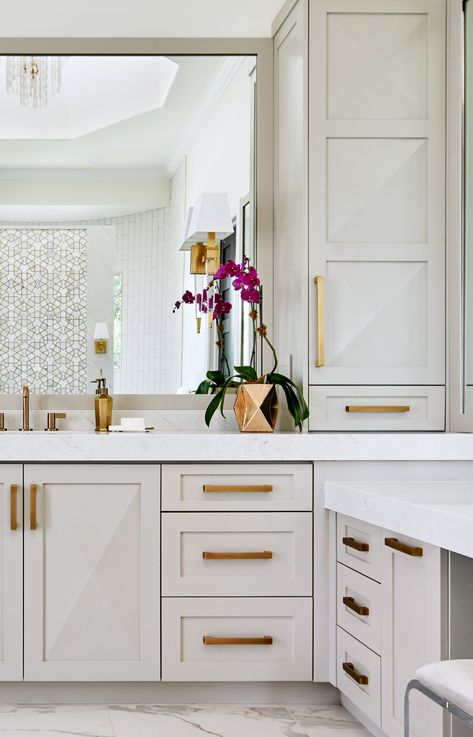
(11,576)
(92,573)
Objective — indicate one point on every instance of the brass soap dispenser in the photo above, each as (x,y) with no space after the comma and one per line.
(103,406)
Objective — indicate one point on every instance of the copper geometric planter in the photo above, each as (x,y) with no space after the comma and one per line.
(256,407)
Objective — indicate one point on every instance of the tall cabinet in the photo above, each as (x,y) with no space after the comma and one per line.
(375,188)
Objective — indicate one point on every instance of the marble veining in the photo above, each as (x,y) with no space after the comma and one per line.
(178,721)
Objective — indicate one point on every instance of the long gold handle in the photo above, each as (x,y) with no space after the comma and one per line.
(263,555)
(350,542)
(241,487)
(393,542)
(320,359)
(377,408)
(209,640)
(33,520)
(350,603)
(351,671)
(13,507)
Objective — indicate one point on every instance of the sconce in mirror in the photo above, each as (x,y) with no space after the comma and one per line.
(101,335)
(209,221)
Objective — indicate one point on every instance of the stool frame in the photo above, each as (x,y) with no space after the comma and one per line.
(444,703)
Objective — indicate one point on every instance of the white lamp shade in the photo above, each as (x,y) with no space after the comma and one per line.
(187,243)
(101,331)
(211,214)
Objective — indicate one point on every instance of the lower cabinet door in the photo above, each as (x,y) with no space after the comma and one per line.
(11,573)
(411,631)
(256,639)
(358,675)
(92,573)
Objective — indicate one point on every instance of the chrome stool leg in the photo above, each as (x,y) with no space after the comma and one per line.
(449,706)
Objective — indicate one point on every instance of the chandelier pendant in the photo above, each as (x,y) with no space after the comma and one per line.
(34,78)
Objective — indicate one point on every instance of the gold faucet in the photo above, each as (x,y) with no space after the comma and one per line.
(26,409)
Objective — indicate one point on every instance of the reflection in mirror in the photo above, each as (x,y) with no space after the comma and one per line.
(101,158)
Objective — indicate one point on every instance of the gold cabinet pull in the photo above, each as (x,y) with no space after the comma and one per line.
(209,640)
(33,520)
(351,671)
(240,487)
(263,555)
(13,507)
(350,542)
(377,408)
(393,542)
(350,602)
(320,358)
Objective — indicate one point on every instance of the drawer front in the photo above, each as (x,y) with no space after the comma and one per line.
(240,487)
(357,662)
(237,554)
(260,639)
(408,408)
(359,606)
(359,546)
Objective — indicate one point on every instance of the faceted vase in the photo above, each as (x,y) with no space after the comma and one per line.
(256,407)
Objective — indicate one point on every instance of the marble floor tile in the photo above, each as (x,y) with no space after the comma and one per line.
(327,721)
(55,721)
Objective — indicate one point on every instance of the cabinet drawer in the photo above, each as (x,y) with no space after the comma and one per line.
(240,487)
(408,408)
(279,632)
(357,662)
(359,606)
(237,554)
(359,546)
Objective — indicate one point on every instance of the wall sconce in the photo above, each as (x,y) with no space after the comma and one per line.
(208,222)
(101,335)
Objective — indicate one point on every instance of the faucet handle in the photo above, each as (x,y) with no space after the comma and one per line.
(52,417)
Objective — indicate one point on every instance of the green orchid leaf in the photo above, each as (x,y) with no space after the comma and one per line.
(204,387)
(216,376)
(247,373)
(212,408)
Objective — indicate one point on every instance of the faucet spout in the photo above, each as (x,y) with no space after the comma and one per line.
(26,409)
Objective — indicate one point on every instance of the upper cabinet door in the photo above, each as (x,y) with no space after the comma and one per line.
(377,191)
(92,573)
(11,573)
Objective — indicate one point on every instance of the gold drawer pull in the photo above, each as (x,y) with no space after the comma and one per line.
(13,507)
(208,640)
(320,358)
(33,520)
(350,542)
(263,555)
(351,671)
(350,602)
(393,542)
(241,487)
(377,408)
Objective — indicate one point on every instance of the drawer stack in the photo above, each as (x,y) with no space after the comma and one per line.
(359,547)
(237,572)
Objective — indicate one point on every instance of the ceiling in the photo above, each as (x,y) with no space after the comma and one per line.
(78,132)
(146,18)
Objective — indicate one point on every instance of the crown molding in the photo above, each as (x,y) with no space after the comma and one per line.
(197,121)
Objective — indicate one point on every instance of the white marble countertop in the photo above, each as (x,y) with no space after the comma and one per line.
(230,446)
(439,513)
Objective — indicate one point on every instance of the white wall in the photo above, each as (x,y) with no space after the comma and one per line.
(160,18)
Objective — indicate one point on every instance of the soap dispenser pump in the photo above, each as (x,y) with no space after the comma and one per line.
(103,405)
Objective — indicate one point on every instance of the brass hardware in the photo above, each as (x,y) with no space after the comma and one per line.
(208,640)
(13,507)
(350,542)
(26,409)
(100,345)
(351,671)
(205,257)
(264,555)
(377,408)
(52,417)
(350,602)
(242,487)
(393,542)
(2,422)
(320,359)
(33,520)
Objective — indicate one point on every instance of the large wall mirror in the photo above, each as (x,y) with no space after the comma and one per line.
(99,165)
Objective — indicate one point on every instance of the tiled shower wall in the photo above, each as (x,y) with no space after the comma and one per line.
(151,350)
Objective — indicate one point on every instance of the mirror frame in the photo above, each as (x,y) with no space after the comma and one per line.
(262,48)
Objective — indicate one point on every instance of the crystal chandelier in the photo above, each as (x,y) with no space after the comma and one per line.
(34,78)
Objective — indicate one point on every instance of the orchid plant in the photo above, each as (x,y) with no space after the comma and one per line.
(209,302)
